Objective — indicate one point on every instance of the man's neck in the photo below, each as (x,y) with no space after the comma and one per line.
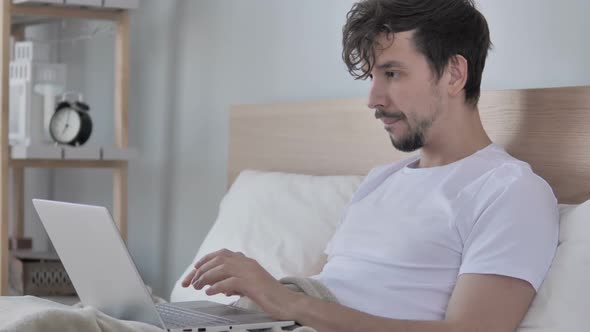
(464,138)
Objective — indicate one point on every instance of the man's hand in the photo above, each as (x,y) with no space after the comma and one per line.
(232,273)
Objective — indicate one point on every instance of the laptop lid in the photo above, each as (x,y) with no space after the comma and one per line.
(97,261)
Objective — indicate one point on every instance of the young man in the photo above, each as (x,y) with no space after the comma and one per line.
(457,239)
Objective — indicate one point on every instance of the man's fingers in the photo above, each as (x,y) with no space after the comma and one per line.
(229,286)
(212,276)
(189,277)
(209,262)
(206,258)
(212,264)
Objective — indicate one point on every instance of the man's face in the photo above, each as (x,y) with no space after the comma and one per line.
(404,93)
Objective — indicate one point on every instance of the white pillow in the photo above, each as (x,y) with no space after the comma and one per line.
(284,221)
(564,298)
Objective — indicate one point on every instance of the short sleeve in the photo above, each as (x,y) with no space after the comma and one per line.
(515,229)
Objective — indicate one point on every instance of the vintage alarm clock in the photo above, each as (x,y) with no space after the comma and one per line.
(71,124)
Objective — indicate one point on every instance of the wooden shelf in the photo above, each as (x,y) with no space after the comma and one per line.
(23,21)
(13,19)
(35,152)
(70,157)
(70,154)
(21,11)
(56,163)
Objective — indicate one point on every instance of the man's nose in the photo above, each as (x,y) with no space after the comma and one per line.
(377,98)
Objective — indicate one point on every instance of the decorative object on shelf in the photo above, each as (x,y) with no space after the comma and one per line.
(30,51)
(34,85)
(19,103)
(119,4)
(39,274)
(22,243)
(71,124)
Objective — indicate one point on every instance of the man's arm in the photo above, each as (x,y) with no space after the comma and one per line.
(479,303)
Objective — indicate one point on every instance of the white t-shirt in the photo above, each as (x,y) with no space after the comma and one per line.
(408,233)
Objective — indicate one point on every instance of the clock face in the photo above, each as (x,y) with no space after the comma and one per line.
(65,125)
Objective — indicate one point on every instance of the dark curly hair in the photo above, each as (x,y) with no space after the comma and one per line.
(443,29)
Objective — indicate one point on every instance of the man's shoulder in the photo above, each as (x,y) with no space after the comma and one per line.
(511,184)
(503,170)
(493,159)
(516,175)
(496,170)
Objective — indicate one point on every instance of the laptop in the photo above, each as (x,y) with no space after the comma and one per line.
(105,277)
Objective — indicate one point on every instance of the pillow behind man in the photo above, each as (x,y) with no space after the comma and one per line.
(282,220)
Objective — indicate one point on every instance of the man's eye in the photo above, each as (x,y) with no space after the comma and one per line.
(391,74)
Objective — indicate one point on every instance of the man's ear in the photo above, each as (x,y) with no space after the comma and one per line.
(458,70)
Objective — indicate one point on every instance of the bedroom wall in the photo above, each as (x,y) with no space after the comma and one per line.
(152,112)
(193,59)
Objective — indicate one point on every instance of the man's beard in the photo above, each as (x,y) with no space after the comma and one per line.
(416,136)
(412,142)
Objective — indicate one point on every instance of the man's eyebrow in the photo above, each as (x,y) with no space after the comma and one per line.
(389,64)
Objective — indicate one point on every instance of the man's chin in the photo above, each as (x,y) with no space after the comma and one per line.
(404,145)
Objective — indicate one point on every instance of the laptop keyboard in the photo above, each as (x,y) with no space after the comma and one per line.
(178,317)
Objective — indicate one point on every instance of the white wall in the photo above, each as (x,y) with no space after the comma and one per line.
(152,109)
(193,59)
(253,52)
(538,43)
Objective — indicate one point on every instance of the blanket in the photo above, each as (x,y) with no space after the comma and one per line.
(33,314)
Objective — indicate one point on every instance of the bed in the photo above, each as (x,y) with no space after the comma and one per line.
(293,167)
(548,128)
(310,155)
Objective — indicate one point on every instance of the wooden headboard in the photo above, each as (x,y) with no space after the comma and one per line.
(548,128)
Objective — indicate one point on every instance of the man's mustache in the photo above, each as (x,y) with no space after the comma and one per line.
(380,113)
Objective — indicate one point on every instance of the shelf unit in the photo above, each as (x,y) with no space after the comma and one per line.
(13,18)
